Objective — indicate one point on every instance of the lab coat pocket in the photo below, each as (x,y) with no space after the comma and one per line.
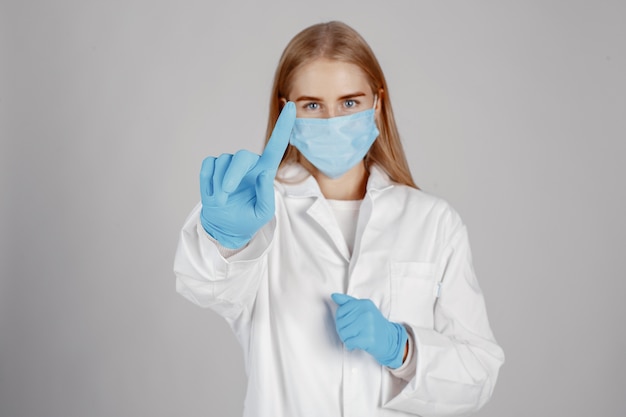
(413,293)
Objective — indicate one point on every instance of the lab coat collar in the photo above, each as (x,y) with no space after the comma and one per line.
(296,181)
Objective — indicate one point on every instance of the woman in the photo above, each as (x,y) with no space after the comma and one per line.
(351,291)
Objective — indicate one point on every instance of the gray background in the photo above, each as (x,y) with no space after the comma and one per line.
(515,112)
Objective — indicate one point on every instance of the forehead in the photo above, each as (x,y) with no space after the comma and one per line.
(326,78)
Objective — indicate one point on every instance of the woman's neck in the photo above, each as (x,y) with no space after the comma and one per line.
(350,186)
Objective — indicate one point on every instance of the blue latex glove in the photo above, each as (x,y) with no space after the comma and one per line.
(237,191)
(360,325)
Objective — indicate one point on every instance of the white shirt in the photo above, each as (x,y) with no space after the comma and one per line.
(411,257)
(346,214)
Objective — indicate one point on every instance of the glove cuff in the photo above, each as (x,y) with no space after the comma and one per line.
(227,241)
(395,358)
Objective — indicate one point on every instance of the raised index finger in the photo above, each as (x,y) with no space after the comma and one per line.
(279,140)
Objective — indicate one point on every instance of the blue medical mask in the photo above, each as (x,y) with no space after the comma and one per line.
(336,144)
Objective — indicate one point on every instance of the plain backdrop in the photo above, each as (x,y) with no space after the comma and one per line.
(514,112)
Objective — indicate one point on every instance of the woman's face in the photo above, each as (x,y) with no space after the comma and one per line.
(326,88)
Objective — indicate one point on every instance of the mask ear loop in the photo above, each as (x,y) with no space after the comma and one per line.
(365,158)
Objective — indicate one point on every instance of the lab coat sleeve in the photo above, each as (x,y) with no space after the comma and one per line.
(206,278)
(458,360)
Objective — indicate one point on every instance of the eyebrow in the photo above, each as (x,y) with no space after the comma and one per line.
(347,96)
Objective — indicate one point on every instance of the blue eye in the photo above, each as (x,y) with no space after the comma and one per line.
(350,103)
(312,106)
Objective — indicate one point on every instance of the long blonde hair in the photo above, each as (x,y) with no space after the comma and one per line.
(338,41)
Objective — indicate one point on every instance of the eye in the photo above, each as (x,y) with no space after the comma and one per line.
(350,103)
(312,106)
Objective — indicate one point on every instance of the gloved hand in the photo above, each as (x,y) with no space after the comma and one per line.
(360,325)
(237,191)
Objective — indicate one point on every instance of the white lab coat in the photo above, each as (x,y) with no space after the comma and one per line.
(411,258)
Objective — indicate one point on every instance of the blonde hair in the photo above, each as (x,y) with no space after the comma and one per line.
(338,41)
